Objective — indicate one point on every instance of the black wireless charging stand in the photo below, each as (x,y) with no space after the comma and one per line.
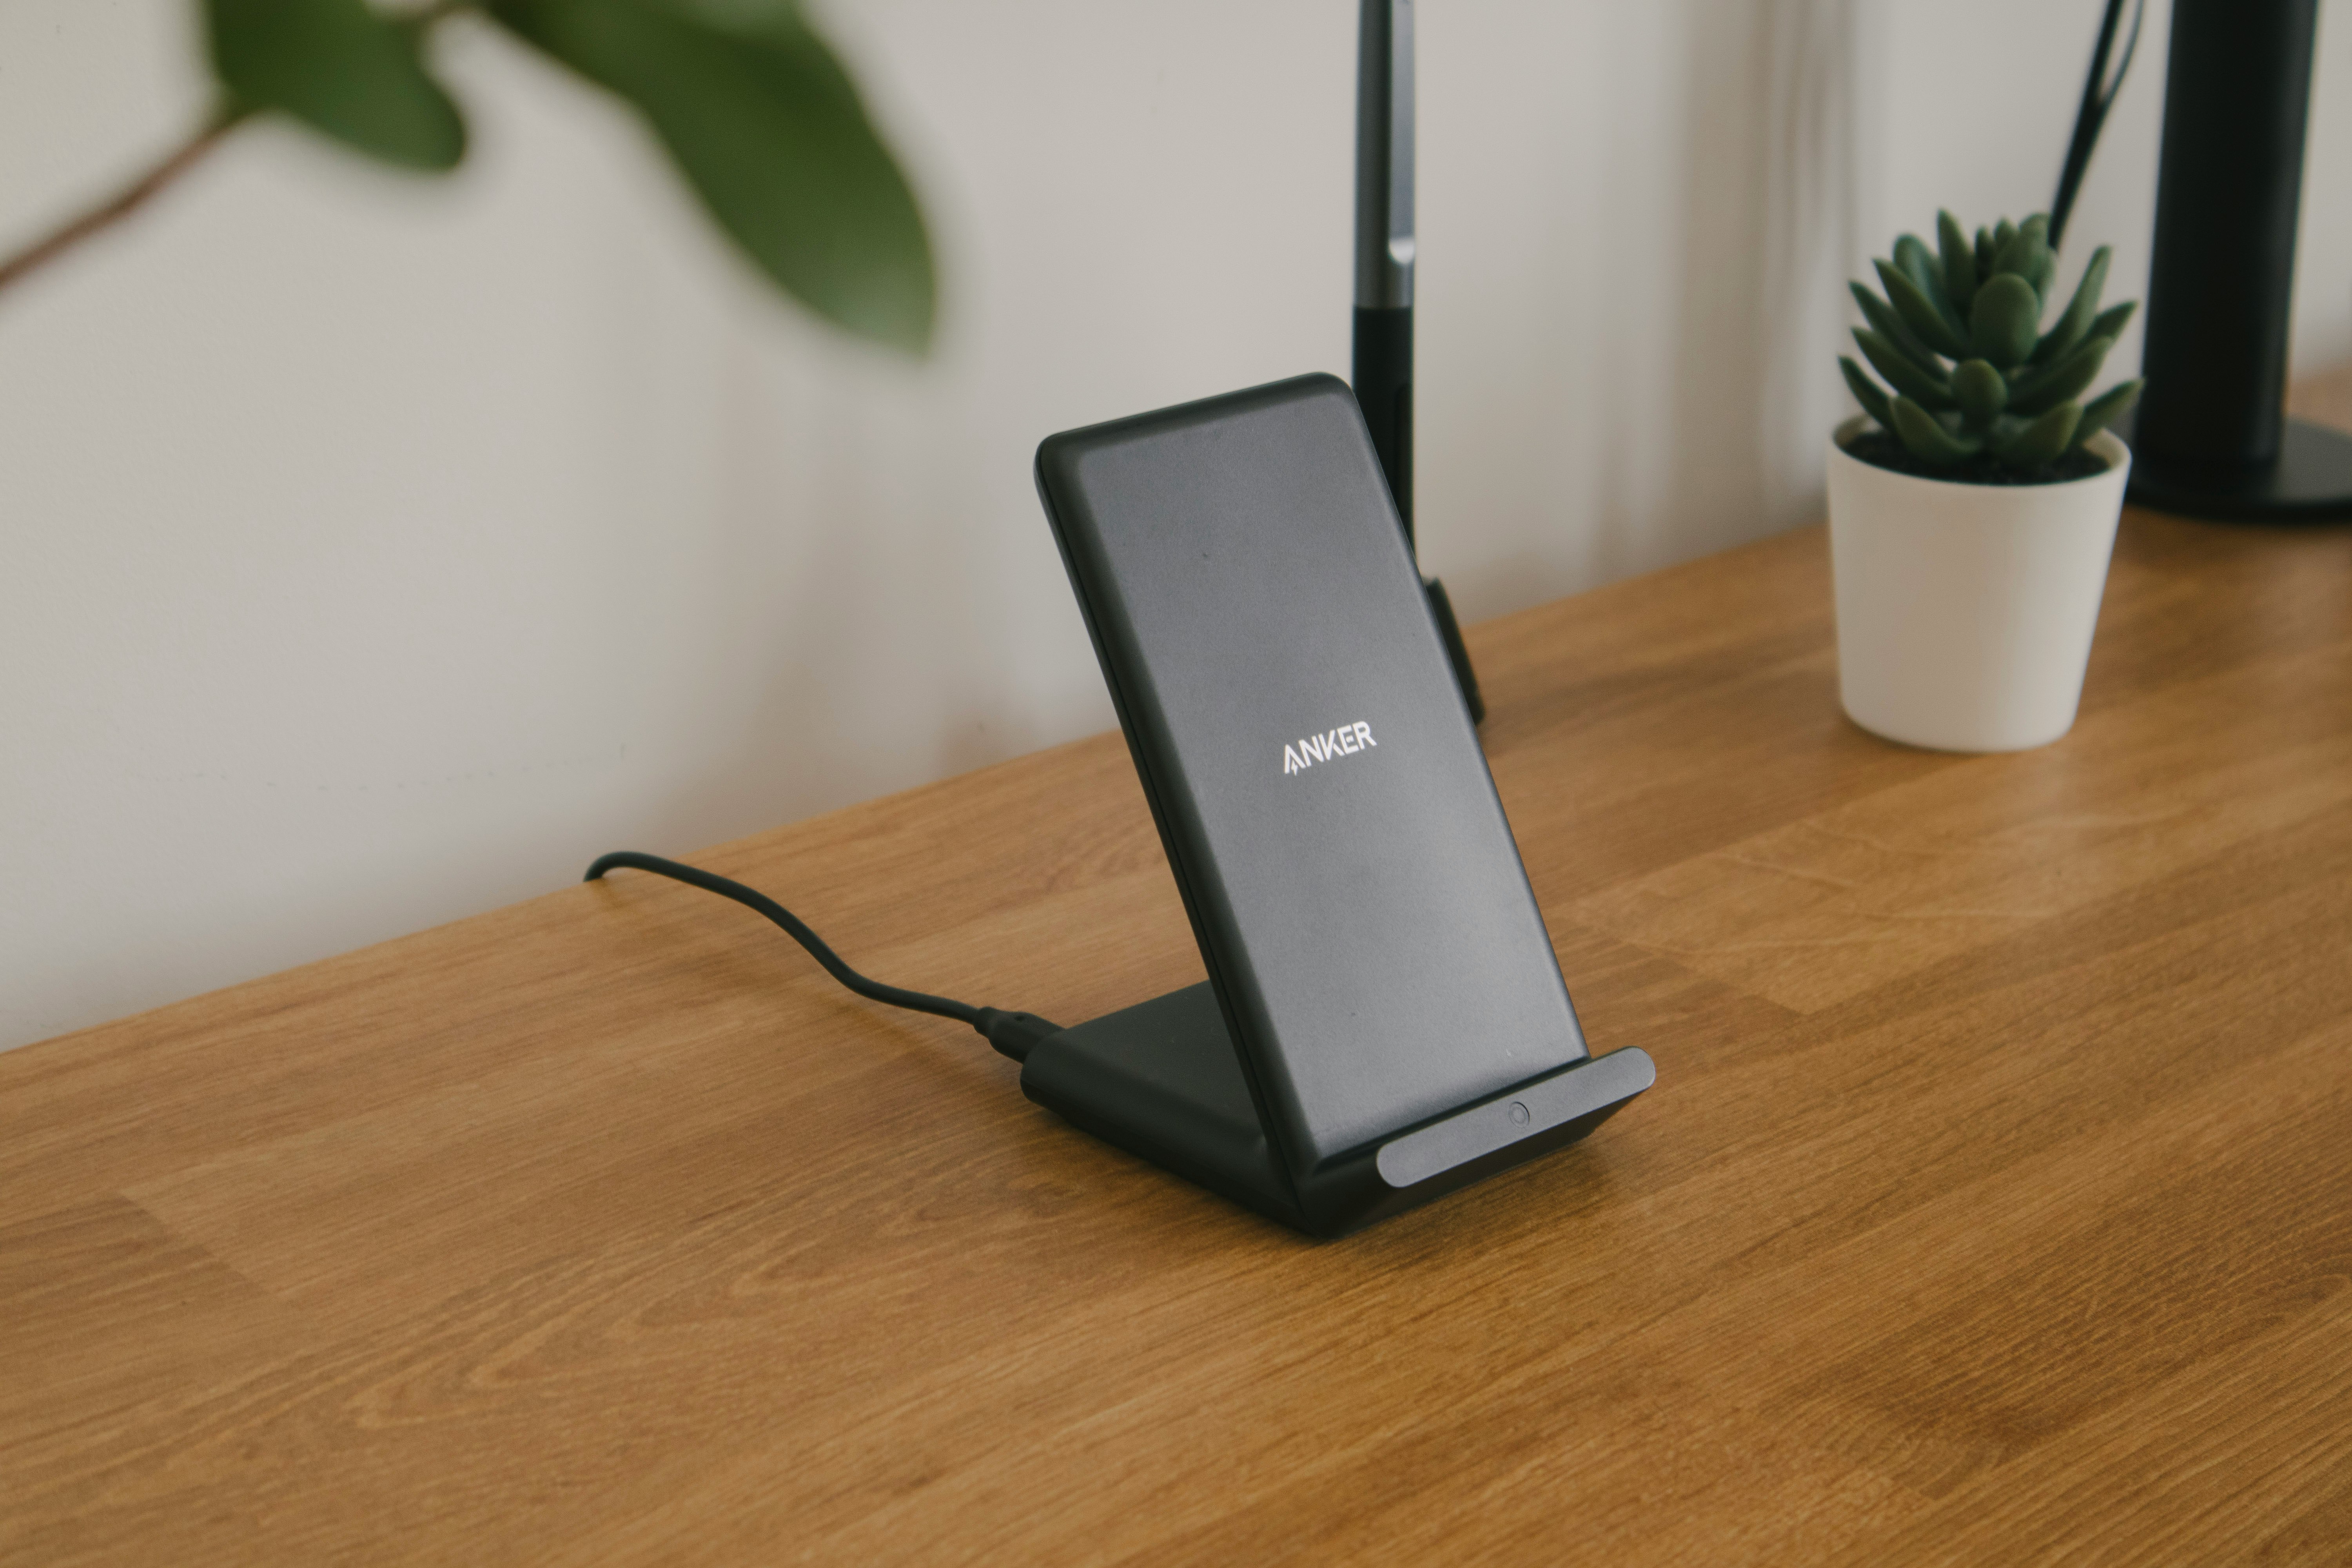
(1384,1020)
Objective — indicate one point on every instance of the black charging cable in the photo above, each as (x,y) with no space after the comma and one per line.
(1014,1033)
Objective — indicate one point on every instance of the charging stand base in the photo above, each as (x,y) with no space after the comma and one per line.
(1163,1081)
(2311,482)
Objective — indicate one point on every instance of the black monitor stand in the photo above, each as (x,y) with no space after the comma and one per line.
(2210,437)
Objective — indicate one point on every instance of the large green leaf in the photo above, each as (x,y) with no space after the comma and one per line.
(768,129)
(341,69)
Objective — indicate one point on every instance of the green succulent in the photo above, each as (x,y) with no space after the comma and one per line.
(2010,389)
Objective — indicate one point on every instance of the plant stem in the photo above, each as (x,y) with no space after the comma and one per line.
(125,201)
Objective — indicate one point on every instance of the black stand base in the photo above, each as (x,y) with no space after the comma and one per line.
(1450,629)
(1163,1081)
(2310,483)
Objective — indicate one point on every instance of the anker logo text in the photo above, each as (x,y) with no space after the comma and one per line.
(1328,746)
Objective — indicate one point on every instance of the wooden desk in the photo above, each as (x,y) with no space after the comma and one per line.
(1995,1198)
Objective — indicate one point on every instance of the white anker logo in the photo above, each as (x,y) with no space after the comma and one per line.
(1328,746)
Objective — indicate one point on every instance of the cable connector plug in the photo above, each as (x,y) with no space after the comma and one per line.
(1015,1035)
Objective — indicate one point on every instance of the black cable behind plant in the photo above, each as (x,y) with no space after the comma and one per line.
(2098,96)
(1010,1033)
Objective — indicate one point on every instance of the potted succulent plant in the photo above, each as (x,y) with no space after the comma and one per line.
(1973,507)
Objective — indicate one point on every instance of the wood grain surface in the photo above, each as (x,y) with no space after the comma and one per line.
(1994,1204)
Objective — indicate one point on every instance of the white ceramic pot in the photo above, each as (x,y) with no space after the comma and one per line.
(1965,612)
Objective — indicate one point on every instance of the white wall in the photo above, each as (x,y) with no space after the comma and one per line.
(380,550)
